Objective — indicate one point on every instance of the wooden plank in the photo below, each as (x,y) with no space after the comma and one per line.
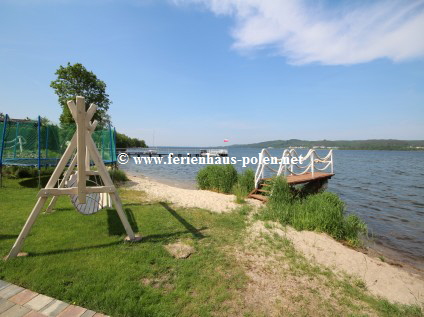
(263,190)
(259,197)
(304,178)
(74,191)
(307,177)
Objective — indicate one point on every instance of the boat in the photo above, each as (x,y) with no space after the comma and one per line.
(214,152)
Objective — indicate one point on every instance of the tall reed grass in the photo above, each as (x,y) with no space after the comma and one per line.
(225,179)
(245,184)
(220,178)
(322,212)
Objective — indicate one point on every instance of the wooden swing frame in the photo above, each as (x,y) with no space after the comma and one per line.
(86,151)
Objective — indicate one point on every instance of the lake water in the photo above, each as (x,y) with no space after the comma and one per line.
(384,188)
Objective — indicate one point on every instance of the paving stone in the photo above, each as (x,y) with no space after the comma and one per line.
(34,314)
(15,311)
(10,290)
(39,302)
(54,308)
(99,315)
(3,284)
(88,313)
(5,305)
(72,311)
(23,297)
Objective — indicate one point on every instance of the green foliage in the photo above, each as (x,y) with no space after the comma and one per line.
(123,141)
(245,184)
(76,80)
(240,193)
(322,212)
(220,178)
(118,176)
(246,180)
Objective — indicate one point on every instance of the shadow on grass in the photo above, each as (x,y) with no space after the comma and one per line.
(166,237)
(8,236)
(64,209)
(115,225)
(98,246)
(33,182)
(151,238)
(195,232)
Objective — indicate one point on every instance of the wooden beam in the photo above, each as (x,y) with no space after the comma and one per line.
(90,112)
(74,191)
(27,227)
(81,149)
(72,109)
(104,174)
(62,163)
(62,183)
(68,172)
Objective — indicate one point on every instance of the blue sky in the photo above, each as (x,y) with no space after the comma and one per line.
(195,72)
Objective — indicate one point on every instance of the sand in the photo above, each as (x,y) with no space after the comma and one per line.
(381,279)
(191,198)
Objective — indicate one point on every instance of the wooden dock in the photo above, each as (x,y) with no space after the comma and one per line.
(176,152)
(262,192)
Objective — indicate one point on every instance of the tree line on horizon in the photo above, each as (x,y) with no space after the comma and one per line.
(372,144)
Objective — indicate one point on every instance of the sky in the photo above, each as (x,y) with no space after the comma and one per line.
(196,72)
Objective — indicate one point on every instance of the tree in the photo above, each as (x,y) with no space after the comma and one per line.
(76,80)
(124,141)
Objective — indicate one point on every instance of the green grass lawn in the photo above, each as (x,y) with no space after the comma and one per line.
(83,260)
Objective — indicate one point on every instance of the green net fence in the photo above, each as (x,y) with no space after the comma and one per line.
(30,143)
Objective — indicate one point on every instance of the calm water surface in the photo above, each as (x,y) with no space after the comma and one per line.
(385,188)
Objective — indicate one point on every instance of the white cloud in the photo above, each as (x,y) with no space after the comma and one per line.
(309,31)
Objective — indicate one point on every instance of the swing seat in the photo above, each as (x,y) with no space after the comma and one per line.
(94,201)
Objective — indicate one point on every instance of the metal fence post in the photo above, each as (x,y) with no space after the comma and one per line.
(47,143)
(16,139)
(39,151)
(2,149)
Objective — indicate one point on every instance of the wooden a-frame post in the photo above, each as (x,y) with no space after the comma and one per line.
(85,150)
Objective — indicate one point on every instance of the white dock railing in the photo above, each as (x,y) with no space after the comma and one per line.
(291,163)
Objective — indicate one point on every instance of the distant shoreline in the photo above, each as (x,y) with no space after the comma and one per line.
(343,149)
(371,145)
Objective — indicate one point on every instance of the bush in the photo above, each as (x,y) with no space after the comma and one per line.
(118,176)
(220,178)
(322,212)
(25,171)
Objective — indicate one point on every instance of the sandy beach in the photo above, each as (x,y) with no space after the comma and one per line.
(381,278)
(191,198)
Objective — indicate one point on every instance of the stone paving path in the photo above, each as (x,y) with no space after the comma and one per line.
(16,301)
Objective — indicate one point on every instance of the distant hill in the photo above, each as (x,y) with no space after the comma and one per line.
(404,145)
